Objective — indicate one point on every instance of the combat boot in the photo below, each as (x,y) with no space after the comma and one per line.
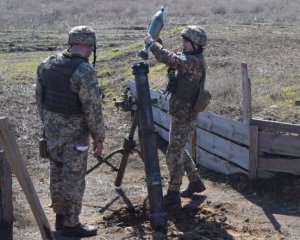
(193,187)
(59,222)
(79,231)
(172,199)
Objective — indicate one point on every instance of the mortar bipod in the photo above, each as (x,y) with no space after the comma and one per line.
(129,146)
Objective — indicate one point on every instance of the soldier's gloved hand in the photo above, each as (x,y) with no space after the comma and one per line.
(148,39)
(98,147)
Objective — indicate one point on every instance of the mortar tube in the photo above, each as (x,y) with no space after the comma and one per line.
(147,135)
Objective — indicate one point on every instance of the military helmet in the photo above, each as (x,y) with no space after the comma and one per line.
(82,35)
(196,34)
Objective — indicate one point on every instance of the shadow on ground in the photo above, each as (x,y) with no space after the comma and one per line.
(278,195)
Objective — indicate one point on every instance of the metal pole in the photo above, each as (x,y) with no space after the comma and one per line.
(148,141)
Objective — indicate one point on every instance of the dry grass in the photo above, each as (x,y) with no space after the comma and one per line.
(262,33)
(60,15)
(265,34)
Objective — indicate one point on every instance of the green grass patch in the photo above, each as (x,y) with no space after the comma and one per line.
(170,32)
(18,68)
(292,92)
(158,71)
(116,52)
(284,100)
(121,70)
(135,47)
(286,94)
(27,67)
(105,72)
(261,81)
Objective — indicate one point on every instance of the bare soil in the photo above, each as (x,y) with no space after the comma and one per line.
(232,207)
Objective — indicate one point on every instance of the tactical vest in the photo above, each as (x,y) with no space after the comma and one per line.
(58,96)
(183,88)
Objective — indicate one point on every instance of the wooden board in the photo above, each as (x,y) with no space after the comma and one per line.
(162,100)
(229,140)
(279,144)
(6,208)
(131,85)
(246,89)
(161,118)
(225,127)
(276,126)
(223,148)
(162,132)
(14,157)
(216,163)
(277,164)
(253,152)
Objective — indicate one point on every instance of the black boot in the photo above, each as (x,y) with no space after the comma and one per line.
(193,187)
(172,199)
(79,231)
(59,222)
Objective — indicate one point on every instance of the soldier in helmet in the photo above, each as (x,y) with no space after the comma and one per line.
(186,75)
(69,105)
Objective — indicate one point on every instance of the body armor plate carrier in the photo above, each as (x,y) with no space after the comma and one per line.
(183,88)
(58,96)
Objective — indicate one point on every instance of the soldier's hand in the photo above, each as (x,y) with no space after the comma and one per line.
(148,39)
(98,147)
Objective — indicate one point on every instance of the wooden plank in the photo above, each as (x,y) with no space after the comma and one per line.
(246,85)
(225,127)
(162,99)
(216,163)
(276,126)
(161,118)
(265,174)
(277,164)
(6,207)
(228,128)
(14,157)
(253,152)
(132,87)
(223,148)
(162,132)
(279,144)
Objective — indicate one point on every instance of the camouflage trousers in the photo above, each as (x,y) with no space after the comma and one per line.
(67,181)
(178,159)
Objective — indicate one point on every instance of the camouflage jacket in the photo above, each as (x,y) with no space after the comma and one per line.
(191,66)
(60,128)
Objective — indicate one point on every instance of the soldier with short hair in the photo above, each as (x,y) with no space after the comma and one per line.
(69,105)
(186,76)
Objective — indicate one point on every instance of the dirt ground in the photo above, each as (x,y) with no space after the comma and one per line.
(232,207)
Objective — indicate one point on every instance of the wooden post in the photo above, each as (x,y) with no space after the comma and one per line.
(253,151)
(6,209)
(247,108)
(247,118)
(14,157)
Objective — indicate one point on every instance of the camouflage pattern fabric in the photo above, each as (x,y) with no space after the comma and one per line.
(178,160)
(64,134)
(196,34)
(188,65)
(67,185)
(191,66)
(82,35)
